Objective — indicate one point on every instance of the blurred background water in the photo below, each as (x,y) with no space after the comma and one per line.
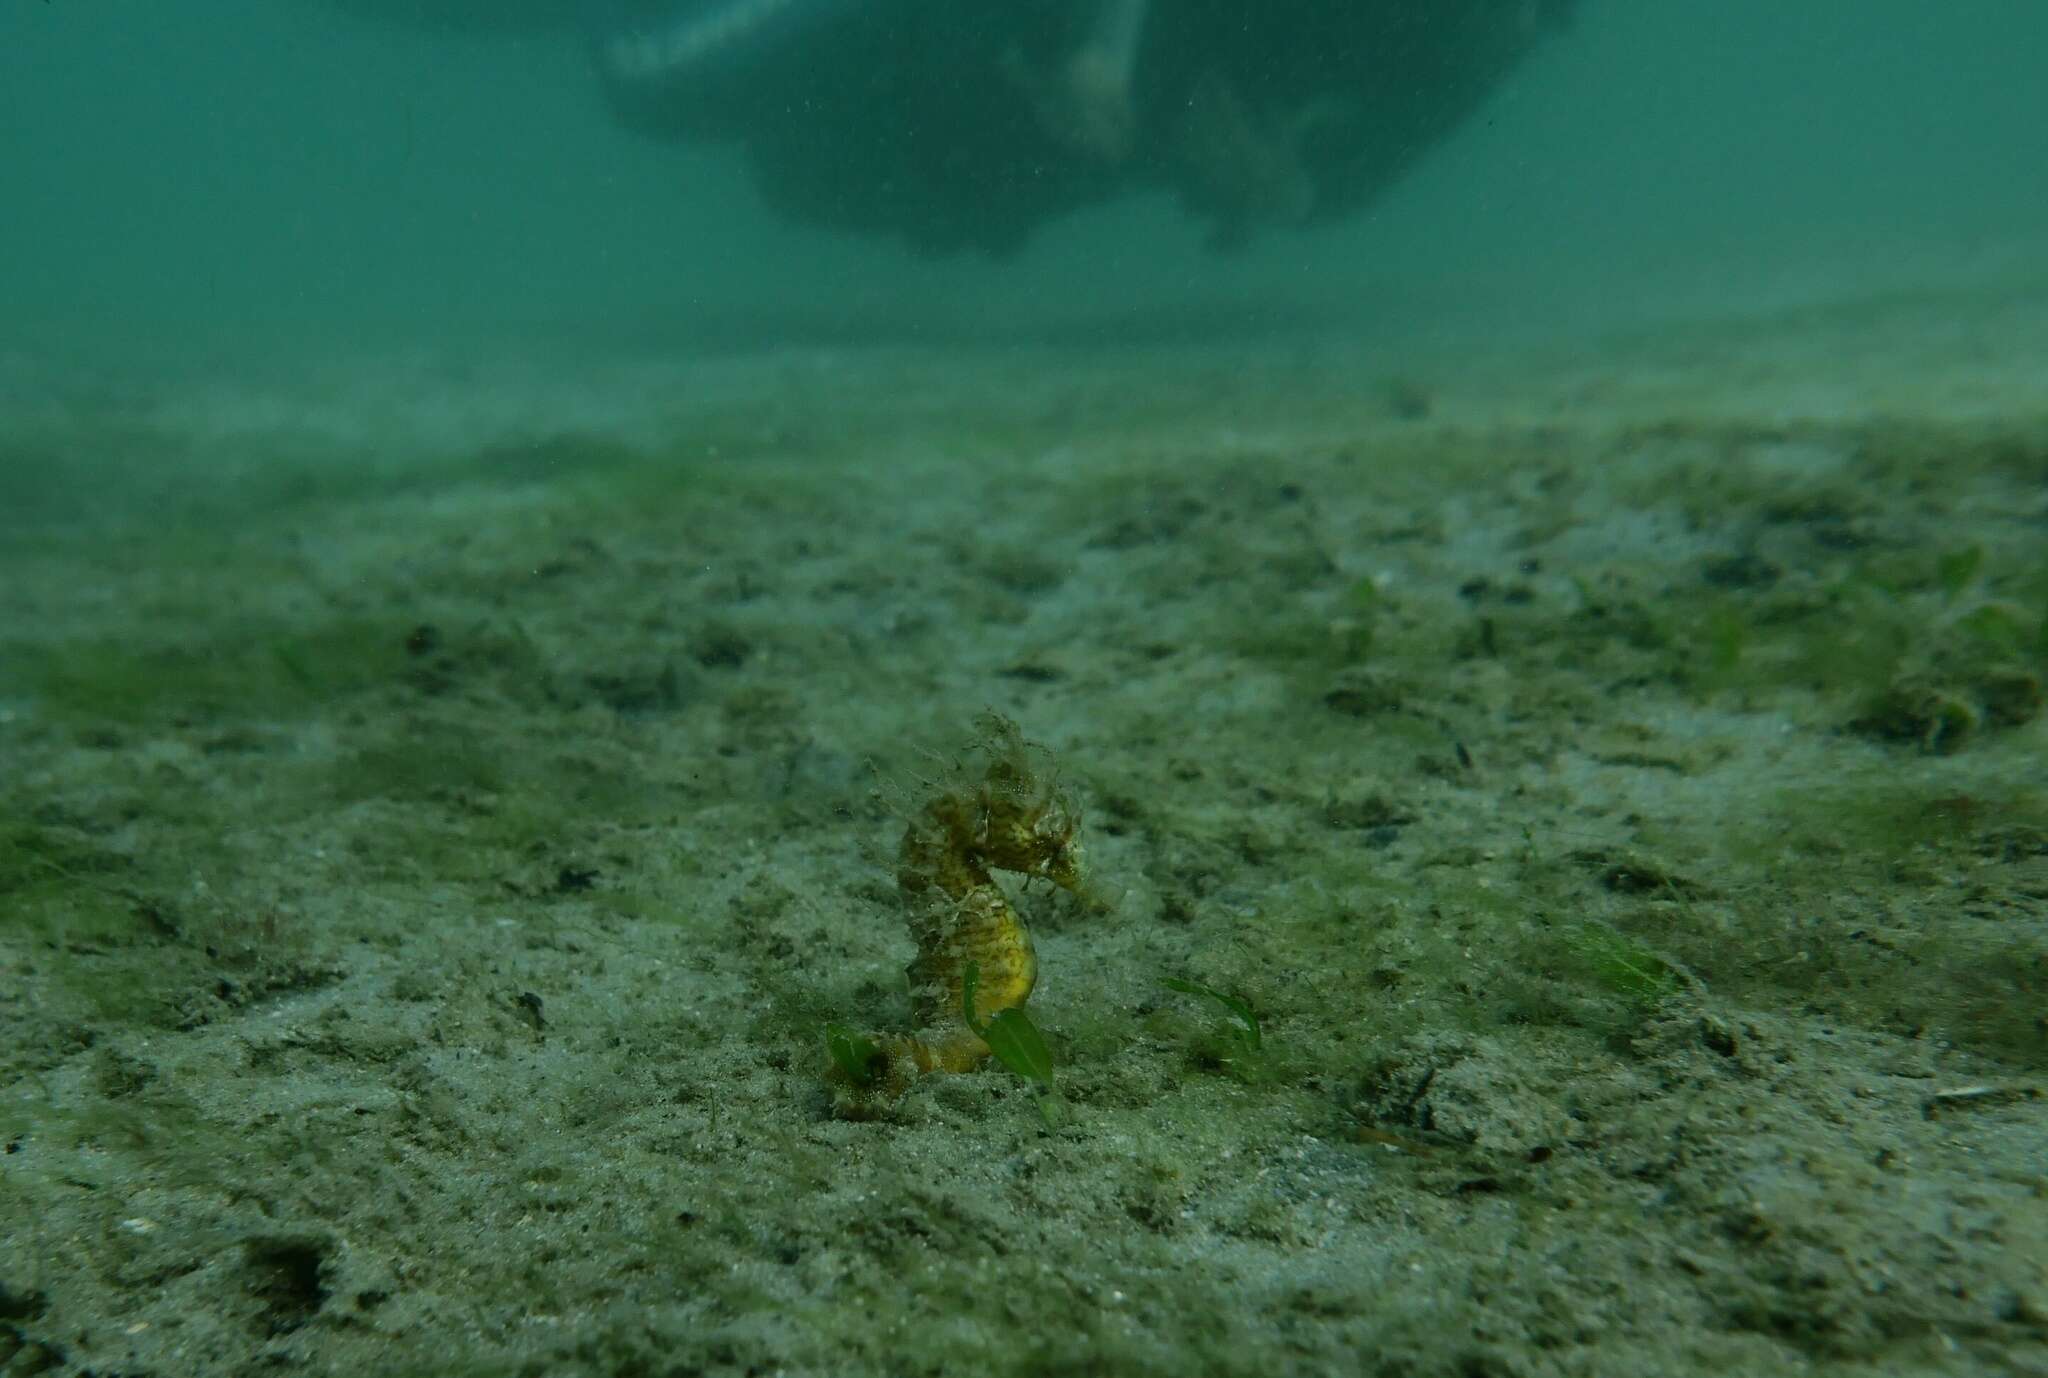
(232,179)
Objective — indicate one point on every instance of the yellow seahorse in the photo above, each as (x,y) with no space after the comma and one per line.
(1010,815)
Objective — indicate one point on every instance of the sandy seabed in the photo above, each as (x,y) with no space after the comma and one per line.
(444,806)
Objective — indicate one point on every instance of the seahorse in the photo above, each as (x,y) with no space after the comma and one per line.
(1009,815)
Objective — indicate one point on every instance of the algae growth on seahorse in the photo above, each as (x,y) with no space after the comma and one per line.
(1001,808)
